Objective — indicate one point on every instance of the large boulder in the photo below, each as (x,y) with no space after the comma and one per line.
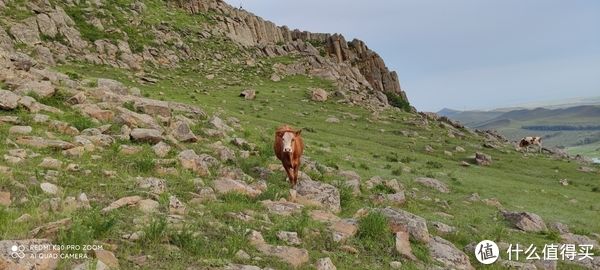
(42,89)
(182,132)
(446,253)
(197,163)
(400,220)
(525,221)
(153,107)
(152,136)
(319,194)
(292,255)
(8,100)
(26,31)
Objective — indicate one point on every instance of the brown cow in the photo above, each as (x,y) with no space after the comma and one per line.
(288,148)
(528,141)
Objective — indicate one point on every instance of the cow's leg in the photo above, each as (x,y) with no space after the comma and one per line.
(290,174)
(296,174)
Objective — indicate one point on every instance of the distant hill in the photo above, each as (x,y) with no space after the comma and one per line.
(575,128)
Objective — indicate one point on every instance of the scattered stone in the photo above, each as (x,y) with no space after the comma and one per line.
(176,207)
(131,200)
(428,148)
(395,265)
(446,253)
(182,132)
(50,163)
(243,255)
(49,188)
(312,193)
(459,149)
(152,107)
(433,183)
(107,257)
(559,227)
(443,228)
(399,220)
(226,185)
(129,149)
(248,94)
(289,237)
(482,159)
(332,120)
(563,182)
(571,238)
(525,221)
(148,206)
(403,245)
(161,149)
(155,185)
(318,94)
(325,264)
(146,135)
(324,216)
(294,256)
(283,208)
(8,100)
(39,142)
(344,229)
(5,198)
(51,229)
(198,164)
(42,89)
(219,124)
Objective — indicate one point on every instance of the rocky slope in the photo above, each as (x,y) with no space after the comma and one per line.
(142,131)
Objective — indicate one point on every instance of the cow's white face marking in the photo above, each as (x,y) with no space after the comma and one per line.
(288,139)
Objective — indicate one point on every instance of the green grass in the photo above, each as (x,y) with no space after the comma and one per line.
(210,236)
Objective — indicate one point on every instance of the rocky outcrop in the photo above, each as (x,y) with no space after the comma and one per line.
(250,30)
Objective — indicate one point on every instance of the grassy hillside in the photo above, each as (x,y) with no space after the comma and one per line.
(389,143)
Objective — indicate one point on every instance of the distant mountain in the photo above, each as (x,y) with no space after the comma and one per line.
(575,127)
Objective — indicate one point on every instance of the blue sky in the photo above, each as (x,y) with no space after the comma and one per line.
(465,54)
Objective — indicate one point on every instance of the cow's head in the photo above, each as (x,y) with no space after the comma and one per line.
(288,138)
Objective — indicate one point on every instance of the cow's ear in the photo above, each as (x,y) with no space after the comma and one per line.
(298,132)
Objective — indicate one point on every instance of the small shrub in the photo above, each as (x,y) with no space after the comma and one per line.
(407,160)
(381,188)
(434,165)
(397,101)
(155,231)
(374,232)
(397,172)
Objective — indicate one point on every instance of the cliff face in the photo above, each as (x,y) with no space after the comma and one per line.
(250,30)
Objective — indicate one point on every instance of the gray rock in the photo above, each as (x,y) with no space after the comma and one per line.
(248,94)
(146,135)
(318,94)
(325,264)
(26,31)
(446,253)
(433,183)
(399,219)
(318,194)
(8,100)
(182,132)
(525,221)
